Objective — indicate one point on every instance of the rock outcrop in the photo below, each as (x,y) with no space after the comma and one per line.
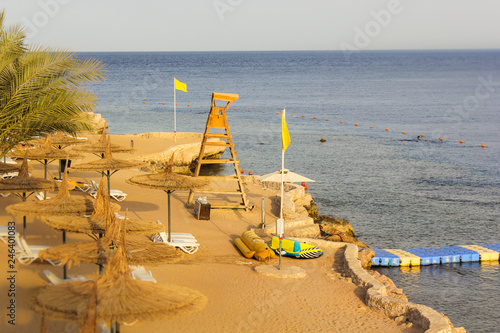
(185,155)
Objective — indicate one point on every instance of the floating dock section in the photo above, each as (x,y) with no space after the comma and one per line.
(434,256)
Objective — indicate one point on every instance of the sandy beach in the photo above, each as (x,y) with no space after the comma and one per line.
(239,298)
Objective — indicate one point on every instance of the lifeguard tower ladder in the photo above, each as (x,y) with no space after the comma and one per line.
(217,119)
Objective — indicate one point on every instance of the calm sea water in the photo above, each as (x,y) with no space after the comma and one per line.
(396,191)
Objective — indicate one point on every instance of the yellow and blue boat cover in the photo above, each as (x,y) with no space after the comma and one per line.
(296,249)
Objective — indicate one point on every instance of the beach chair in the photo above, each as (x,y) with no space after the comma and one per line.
(9,175)
(27,254)
(104,327)
(115,194)
(57,280)
(84,187)
(39,196)
(139,273)
(4,235)
(9,160)
(184,241)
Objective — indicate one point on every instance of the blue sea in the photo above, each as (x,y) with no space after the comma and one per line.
(398,190)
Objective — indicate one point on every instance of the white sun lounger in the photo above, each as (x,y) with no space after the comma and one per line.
(115,194)
(57,280)
(140,273)
(4,235)
(184,241)
(39,196)
(27,254)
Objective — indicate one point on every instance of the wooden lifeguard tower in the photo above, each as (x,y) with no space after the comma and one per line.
(217,120)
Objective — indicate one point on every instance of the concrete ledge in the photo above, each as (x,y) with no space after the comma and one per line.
(376,297)
(376,293)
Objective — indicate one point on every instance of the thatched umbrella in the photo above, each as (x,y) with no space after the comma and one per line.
(108,165)
(96,223)
(98,251)
(23,186)
(60,140)
(119,297)
(167,181)
(46,154)
(62,204)
(99,147)
(5,167)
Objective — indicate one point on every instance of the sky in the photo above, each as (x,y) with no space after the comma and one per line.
(257,25)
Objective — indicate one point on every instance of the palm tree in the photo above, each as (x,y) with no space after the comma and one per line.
(41,89)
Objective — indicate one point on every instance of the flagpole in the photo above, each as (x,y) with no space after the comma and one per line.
(282,194)
(175,116)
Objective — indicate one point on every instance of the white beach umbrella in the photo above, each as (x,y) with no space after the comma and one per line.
(288,177)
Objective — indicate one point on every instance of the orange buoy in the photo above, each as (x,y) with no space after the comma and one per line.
(292,114)
(143,102)
(314,117)
(303,183)
(387,130)
(461,141)
(250,173)
(483,145)
(356,124)
(162,103)
(305,187)
(340,121)
(248,110)
(421,135)
(176,104)
(188,104)
(404,132)
(276,112)
(234,109)
(371,126)
(327,119)
(440,139)
(242,171)
(302,116)
(201,106)
(263,111)
(111,101)
(129,101)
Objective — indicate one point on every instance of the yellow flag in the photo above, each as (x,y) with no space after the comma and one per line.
(179,85)
(285,136)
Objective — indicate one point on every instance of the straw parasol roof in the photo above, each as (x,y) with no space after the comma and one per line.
(120,298)
(108,163)
(59,140)
(45,154)
(99,251)
(99,147)
(5,167)
(167,181)
(96,223)
(23,183)
(62,204)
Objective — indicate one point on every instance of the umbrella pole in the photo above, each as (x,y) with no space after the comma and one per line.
(45,176)
(65,267)
(169,224)
(109,183)
(24,197)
